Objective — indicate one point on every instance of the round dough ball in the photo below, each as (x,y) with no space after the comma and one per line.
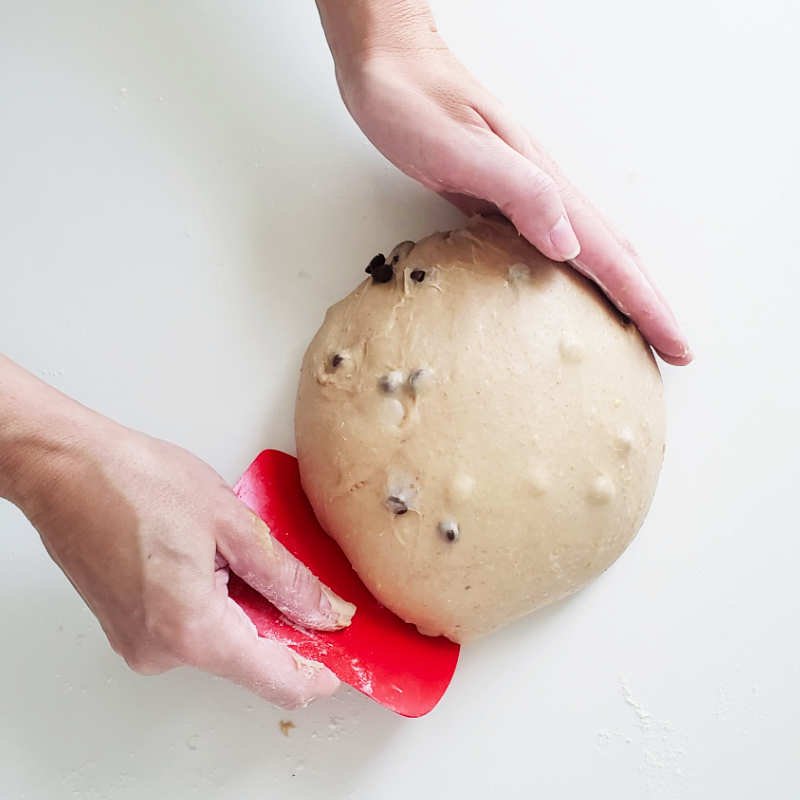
(478,429)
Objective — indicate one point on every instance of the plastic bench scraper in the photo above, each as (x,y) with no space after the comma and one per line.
(379,654)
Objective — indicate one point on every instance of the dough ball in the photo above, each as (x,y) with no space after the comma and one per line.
(478,429)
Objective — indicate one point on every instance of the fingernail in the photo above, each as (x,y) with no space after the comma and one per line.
(682,356)
(342,610)
(564,240)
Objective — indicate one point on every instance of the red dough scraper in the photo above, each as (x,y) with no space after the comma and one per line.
(378,654)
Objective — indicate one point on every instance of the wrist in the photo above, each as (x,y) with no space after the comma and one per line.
(358,30)
(41,431)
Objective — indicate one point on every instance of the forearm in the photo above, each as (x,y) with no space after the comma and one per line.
(356,28)
(39,428)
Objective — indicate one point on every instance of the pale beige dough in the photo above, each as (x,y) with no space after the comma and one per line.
(504,404)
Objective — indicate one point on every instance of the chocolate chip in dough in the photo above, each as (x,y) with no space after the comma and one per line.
(336,359)
(396,504)
(380,271)
(449,530)
(418,275)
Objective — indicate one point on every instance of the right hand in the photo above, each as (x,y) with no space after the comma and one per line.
(147,534)
(432,119)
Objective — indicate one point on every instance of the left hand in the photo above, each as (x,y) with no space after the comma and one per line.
(148,534)
(428,115)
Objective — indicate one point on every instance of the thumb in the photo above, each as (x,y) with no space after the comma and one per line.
(523,191)
(265,564)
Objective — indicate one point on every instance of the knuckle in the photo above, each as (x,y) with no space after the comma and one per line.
(186,639)
(230,516)
(539,197)
(572,199)
(299,577)
(543,188)
(175,630)
(235,514)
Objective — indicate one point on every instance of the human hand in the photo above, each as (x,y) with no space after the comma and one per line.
(428,115)
(147,534)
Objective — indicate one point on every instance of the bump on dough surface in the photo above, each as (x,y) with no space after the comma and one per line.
(538,429)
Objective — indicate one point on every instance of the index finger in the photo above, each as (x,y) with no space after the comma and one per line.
(265,564)
(607,262)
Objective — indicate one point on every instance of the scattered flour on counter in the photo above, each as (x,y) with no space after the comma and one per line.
(724,705)
(644,716)
(663,748)
(604,738)
(335,727)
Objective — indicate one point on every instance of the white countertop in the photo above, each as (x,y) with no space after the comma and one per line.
(182,196)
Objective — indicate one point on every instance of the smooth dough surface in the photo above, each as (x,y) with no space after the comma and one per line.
(481,441)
